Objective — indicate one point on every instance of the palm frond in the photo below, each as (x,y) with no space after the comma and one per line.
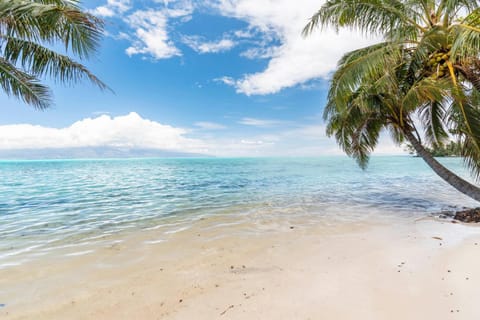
(451,8)
(41,61)
(23,86)
(356,66)
(466,35)
(356,132)
(28,29)
(52,22)
(464,121)
(432,117)
(423,92)
(367,16)
(470,70)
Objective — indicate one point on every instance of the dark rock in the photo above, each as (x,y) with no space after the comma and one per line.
(468,216)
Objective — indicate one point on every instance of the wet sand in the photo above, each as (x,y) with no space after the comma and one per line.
(395,269)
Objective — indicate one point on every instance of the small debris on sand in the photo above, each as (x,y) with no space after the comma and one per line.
(225,311)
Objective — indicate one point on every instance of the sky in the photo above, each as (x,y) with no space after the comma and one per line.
(213,77)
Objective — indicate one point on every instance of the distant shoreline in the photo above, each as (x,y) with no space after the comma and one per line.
(193,157)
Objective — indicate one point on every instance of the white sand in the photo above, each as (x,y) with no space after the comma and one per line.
(380,270)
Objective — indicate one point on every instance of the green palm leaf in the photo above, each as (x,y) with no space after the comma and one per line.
(23,86)
(368,16)
(28,31)
(41,61)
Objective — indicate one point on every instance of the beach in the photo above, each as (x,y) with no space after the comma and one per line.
(313,238)
(242,160)
(403,269)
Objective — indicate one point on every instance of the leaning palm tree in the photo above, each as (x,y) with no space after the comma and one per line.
(30,31)
(426,68)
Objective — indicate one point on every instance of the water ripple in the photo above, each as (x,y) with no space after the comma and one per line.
(50,204)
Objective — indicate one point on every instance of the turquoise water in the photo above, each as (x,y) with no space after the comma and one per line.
(48,204)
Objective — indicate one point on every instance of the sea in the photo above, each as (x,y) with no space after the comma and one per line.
(48,205)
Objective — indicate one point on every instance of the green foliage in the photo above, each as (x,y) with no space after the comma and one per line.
(427,69)
(450,149)
(29,30)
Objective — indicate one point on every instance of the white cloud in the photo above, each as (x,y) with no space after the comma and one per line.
(227,80)
(310,132)
(200,45)
(243,34)
(263,123)
(103,11)
(112,8)
(129,131)
(134,132)
(273,32)
(296,60)
(254,142)
(151,34)
(209,125)
(260,53)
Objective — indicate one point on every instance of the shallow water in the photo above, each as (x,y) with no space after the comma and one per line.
(49,205)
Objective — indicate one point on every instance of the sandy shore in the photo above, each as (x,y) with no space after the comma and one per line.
(403,269)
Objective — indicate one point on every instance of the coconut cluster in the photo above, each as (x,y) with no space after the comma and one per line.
(437,62)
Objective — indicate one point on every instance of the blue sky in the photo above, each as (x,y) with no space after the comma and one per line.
(220,77)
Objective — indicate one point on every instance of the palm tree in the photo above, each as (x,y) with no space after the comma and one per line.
(426,68)
(30,31)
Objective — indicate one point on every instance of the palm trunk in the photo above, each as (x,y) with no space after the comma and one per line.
(451,178)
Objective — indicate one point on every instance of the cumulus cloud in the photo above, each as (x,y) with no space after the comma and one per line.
(112,8)
(296,60)
(151,34)
(200,45)
(132,132)
(273,32)
(129,131)
(148,27)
